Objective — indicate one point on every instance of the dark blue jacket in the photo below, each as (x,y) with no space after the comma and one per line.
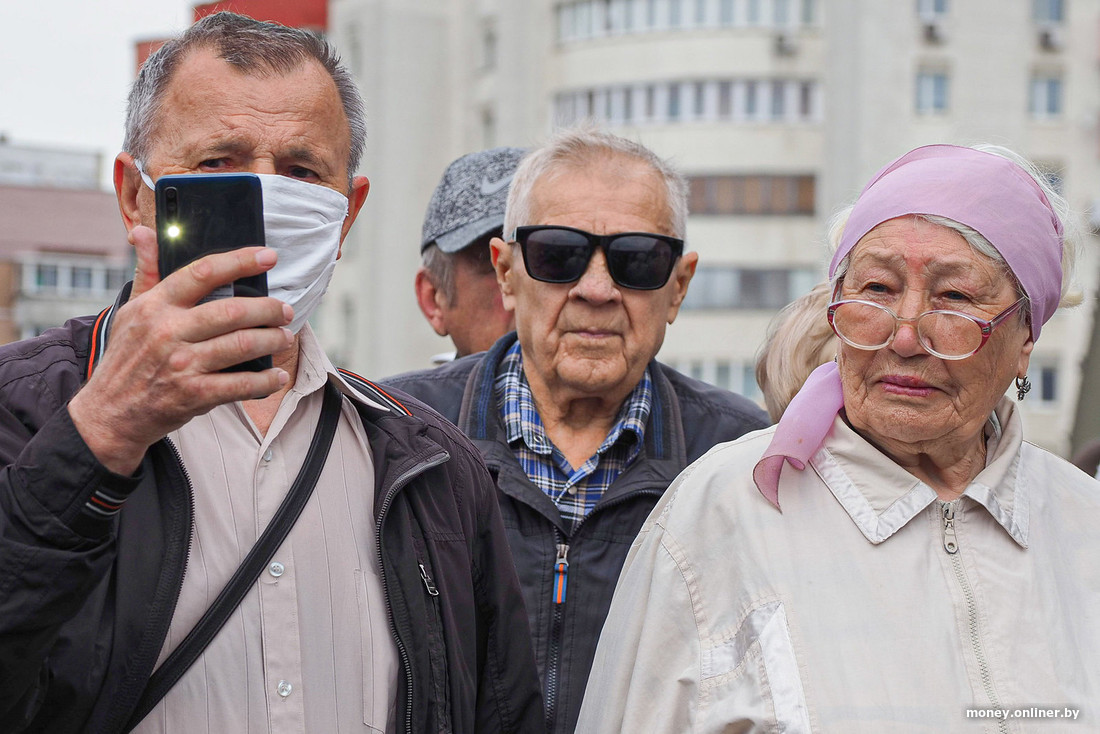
(688,417)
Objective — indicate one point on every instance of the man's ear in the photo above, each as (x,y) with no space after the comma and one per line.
(501,255)
(681,277)
(431,301)
(360,187)
(128,184)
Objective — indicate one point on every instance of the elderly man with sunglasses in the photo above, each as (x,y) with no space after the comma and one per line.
(579,424)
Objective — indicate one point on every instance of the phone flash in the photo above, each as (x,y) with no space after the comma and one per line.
(173,230)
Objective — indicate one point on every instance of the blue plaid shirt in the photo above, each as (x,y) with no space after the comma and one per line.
(574,491)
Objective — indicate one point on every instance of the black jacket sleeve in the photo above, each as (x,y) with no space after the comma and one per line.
(52,551)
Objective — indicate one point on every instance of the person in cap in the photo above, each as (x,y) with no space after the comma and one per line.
(456,285)
(928,566)
(583,428)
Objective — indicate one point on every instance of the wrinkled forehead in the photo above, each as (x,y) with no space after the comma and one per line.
(603,180)
(986,192)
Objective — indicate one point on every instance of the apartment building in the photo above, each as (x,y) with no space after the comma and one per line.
(63,249)
(777,110)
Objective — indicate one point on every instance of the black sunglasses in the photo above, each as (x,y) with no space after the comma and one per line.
(637,260)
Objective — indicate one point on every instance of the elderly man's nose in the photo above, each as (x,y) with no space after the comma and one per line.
(596,284)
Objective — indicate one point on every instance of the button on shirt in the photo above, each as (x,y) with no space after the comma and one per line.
(309,649)
(574,491)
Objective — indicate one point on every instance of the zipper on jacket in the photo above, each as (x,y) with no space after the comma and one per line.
(427,579)
(403,652)
(951,545)
(558,594)
(115,722)
(950,541)
(553,654)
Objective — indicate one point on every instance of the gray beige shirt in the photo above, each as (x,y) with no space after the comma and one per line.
(309,649)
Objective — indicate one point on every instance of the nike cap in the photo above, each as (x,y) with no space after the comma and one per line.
(469,201)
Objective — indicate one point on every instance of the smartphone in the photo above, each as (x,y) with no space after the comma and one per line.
(198,214)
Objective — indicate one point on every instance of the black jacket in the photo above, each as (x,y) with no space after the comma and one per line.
(687,418)
(85,604)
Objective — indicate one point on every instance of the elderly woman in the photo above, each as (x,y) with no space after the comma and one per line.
(929,570)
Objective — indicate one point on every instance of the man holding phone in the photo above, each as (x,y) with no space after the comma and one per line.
(139,473)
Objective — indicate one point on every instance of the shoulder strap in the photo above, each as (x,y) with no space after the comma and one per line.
(169,673)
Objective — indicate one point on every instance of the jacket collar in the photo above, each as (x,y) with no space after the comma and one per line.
(663,457)
(881,497)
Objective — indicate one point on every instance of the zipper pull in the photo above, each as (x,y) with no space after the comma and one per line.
(432,591)
(561,573)
(950,542)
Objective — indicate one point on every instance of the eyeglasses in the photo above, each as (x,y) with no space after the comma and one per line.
(945,334)
(638,260)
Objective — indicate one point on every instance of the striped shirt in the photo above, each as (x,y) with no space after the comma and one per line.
(574,491)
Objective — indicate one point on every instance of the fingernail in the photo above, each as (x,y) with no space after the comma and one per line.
(288,334)
(265,256)
(284,377)
(288,313)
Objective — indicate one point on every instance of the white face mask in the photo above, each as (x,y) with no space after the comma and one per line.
(302,222)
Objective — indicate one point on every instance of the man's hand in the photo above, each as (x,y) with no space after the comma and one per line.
(162,365)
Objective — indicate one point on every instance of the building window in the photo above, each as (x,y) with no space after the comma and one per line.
(488,128)
(1048,385)
(748,100)
(675,13)
(698,100)
(809,12)
(753,16)
(752,195)
(82,279)
(751,102)
(700,13)
(931,9)
(1046,96)
(46,276)
(114,279)
(779,101)
(600,20)
(725,12)
(617,17)
(674,102)
(726,287)
(1048,11)
(566,30)
(590,19)
(488,46)
(932,92)
(725,100)
(781,13)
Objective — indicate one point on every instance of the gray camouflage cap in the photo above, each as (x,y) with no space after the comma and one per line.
(469,201)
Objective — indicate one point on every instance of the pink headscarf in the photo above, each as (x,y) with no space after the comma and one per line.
(984,191)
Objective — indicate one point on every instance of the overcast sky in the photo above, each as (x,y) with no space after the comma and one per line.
(66,65)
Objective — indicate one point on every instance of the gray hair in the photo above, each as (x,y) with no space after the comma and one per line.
(584,145)
(441,271)
(981,245)
(250,46)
